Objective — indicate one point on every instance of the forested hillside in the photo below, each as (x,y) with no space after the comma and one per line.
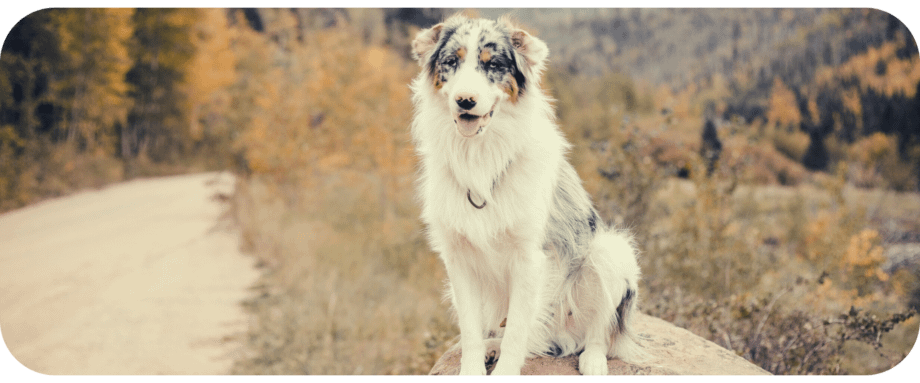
(829,77)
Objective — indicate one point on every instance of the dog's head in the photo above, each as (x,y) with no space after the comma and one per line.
(477,66)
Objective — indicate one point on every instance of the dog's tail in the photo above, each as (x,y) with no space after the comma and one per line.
(619,251)
(624,342)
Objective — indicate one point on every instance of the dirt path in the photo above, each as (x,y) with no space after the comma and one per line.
(137,278)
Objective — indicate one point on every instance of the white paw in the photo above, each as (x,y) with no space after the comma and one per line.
(506,369)
(472,368)
(592,363)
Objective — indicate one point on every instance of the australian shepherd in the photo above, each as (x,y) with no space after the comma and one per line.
(527,256)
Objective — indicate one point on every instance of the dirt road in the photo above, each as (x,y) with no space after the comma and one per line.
(136,278)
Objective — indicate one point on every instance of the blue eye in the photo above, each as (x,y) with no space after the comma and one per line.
(492,65)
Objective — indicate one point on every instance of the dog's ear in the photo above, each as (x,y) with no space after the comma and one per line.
(532,49)
(424,43)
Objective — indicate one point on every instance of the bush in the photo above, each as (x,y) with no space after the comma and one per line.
(761,164)
(791,143)
(780,339)
(874,162)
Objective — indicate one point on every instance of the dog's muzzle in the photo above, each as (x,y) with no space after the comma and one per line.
(469,124)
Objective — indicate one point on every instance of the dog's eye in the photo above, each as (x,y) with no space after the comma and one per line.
(494,65)
(451,62)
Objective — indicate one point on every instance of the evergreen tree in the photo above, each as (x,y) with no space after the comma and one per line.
(29,54)
(711,147)
(27,113)
(816,156)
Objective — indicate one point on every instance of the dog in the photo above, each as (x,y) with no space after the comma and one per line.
(527,257)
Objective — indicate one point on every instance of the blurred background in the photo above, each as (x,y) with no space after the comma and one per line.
(767,160)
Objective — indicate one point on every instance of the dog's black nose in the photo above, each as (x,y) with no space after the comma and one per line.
(466,103)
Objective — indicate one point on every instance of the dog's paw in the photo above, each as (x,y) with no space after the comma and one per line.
(506,369)
(592,363)
(472,368)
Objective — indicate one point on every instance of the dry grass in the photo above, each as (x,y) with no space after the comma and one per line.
(344,291)
(772,272)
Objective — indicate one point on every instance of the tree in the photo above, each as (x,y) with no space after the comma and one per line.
(816,156)
(211,74)
(783,109)
(162,52)
(27,114)
(27,61)
(711,147)
(89,83)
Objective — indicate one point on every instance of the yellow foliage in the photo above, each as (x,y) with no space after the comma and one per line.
(874,161)
(827,297)
(91,79)
(790,141)
(872,149)
(878,69)
(764,164)
(851,260)
(817,240)
(323,105)
(212,69)
(852,102)
(864,256)
(783,108)
(814,111)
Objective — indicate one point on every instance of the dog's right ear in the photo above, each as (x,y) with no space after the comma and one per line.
(424,43)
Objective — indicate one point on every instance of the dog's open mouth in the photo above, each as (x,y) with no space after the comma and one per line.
(470,125)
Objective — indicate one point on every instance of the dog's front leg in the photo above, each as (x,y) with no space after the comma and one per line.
(526,289)
(467,299)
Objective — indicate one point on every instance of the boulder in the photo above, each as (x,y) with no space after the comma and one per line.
(671,351)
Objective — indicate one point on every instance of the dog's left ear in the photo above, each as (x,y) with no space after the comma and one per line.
(425,42)
(532,49)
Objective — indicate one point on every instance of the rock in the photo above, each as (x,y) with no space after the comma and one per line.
(672,351)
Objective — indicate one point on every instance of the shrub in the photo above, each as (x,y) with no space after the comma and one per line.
(874,161)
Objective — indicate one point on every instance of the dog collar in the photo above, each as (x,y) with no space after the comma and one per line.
(494,183)
(468,198)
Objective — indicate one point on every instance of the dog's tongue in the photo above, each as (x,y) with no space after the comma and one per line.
(468,125)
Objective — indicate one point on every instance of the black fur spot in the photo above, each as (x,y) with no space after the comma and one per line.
(623,308)
(503,60)
(592,221)
(516,68)
(436,55)
(518,76)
